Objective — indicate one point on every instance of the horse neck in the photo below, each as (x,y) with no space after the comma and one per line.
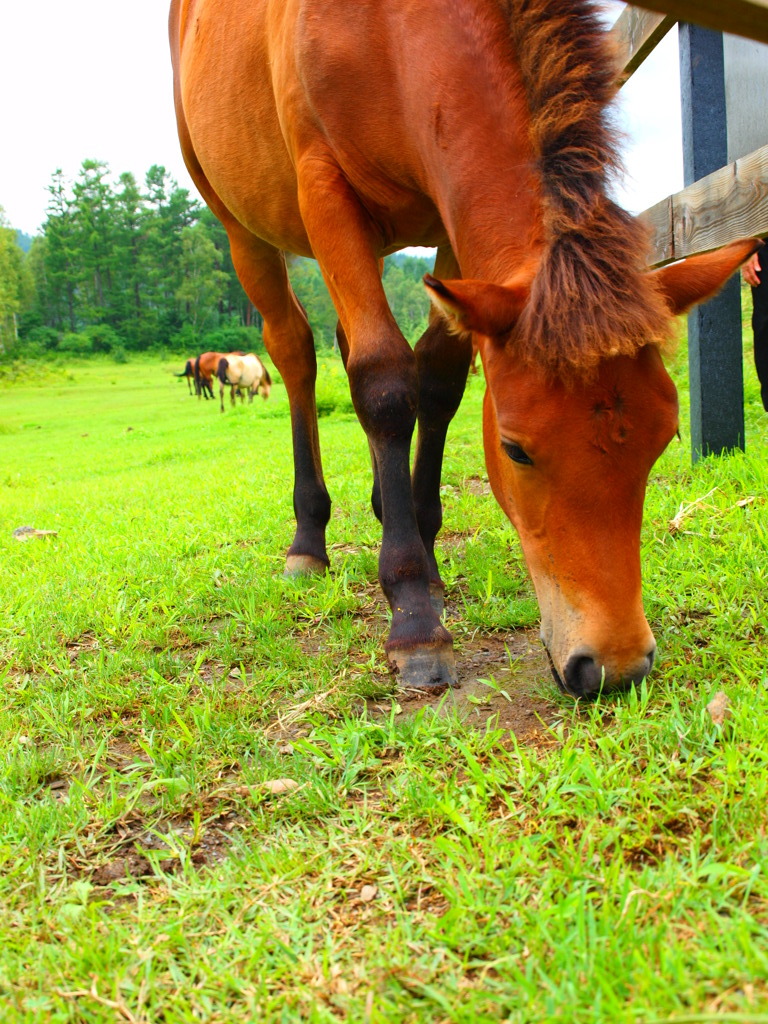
(475,141)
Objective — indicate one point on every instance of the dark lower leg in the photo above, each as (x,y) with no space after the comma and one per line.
(311,503)
(384,387)
(418,645)
(343,343)
(443,361)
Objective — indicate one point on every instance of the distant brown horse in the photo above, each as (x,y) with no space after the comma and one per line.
(347,130)
(188,372)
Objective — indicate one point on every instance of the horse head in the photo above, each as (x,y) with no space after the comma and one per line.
(568,460)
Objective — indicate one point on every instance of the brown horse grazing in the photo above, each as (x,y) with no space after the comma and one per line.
(346,131)
(206,368)
(189,373)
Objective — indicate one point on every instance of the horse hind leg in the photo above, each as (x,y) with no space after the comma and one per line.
(288,339)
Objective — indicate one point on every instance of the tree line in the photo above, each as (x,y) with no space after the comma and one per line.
(126,267)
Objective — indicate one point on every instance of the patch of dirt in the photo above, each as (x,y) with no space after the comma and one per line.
(58,787)
(453,540)
(121,751)
(87,641)
(427,900)
(133,841)
(477,485)
(501,680)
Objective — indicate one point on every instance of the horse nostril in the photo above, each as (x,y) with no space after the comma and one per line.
(650,658)
(583,676)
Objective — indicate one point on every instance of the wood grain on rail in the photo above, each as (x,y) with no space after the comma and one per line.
(742,17)
(635,34)
(727,204)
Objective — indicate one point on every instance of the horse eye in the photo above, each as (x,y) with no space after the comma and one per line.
(516,453)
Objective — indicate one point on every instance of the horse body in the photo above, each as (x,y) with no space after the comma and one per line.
(305,127)
(205,368)
(243,373)
(346,131)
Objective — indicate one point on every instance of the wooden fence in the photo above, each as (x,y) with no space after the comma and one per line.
(725,202)
(732,202)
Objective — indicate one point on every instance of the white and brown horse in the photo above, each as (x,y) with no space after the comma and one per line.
(243,373)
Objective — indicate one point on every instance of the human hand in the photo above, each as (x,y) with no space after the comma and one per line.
(751,270)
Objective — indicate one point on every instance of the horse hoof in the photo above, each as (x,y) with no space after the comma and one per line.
(425,668)
(304,565)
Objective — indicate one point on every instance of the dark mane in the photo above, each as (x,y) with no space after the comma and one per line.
(590,298)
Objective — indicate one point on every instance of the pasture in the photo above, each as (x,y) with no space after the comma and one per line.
(500,853)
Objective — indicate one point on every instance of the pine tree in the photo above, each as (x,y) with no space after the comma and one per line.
(11,283)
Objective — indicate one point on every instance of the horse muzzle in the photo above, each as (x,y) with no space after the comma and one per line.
(585,676)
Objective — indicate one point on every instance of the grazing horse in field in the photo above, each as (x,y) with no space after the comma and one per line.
(189,373)
(346,131)
(206,368)
(243,373)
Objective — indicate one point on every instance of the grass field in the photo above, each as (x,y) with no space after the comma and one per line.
(502,854)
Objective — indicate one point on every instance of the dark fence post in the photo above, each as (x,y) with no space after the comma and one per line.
(714,329)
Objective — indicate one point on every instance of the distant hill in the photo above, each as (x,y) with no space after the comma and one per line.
(24,241)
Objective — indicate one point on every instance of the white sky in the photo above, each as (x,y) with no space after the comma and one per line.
(91,79)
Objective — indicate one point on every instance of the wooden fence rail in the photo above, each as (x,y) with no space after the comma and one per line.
(730,203)
(733,201)
(635,34)
(741,17)
(723,203)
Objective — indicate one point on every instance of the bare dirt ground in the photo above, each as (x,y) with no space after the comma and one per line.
(504,680)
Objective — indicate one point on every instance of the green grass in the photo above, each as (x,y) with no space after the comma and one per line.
(157,670)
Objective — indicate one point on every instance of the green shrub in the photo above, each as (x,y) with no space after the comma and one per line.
(233,339)
(46,338)
(332,389)
(103,338)
(76,344)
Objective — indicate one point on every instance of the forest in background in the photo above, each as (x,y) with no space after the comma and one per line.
(124,267)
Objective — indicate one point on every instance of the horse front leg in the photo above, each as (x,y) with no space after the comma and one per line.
(376,485)
(383,381)
(443,361)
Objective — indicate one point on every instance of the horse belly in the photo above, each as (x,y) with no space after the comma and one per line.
(229,106)
(261,90)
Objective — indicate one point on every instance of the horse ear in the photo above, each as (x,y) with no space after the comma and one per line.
(477,306)
(698,278)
